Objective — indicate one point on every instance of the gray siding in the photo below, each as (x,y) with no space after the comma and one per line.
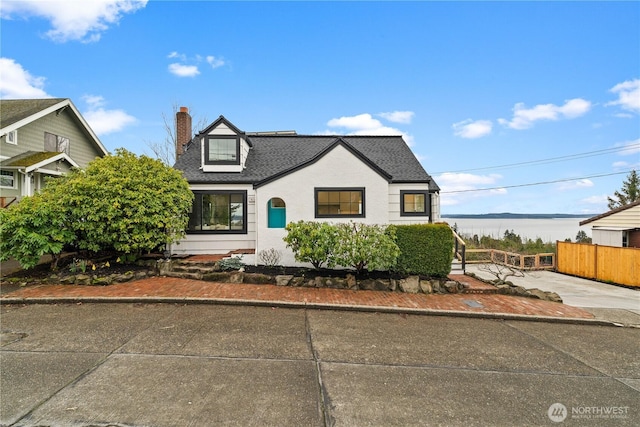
(31,137)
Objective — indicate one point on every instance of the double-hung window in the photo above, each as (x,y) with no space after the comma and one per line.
(7,179)
(414,203)
(219,212)
(221,150)
(339,203)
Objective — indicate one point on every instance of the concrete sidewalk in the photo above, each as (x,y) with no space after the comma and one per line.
(178,290)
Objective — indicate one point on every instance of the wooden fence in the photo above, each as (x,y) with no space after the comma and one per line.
(545,261)
(604,263)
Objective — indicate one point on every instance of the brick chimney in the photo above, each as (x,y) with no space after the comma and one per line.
(183,130)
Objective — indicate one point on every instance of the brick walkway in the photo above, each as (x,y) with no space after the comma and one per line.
(167,289)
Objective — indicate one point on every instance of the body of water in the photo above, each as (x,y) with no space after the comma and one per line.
(549,230)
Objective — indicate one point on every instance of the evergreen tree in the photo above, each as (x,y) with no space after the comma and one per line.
(629,193)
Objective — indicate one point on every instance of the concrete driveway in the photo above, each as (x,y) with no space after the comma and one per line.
(614,303)
(202,365)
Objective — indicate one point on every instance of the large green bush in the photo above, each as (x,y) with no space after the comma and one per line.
(34,227)
(124,202)
(425,249)
(119,202)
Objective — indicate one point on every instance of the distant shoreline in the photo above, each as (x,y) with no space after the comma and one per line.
(508,215)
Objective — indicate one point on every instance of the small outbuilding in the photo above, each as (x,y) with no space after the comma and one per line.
(619,227)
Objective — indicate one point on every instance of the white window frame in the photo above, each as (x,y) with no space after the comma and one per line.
(12,137)
(6,173)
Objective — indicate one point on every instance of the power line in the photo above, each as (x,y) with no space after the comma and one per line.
(534,183)
(551,159)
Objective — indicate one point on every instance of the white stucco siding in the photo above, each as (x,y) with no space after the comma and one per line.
(203,243)
(337,169)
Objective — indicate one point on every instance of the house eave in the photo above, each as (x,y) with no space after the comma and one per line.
(52,109)
(611,212)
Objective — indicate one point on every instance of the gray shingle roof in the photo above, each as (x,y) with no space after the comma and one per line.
(276,155)
(14,110)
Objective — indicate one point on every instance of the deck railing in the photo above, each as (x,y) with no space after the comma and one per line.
(542,261)
(459,249)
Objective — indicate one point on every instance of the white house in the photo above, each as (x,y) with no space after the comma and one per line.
(619,227)
(249,185)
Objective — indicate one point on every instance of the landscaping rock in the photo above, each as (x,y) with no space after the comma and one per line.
(425,287)
(102,281)
(283,280)
(374,285)
(554,297)
(68,280)
(125,277)
(350,282)
(297,281)
(83,279)
(236,277)
(537,294)
(410,285)
(519,291)
(451,286)
(435,286)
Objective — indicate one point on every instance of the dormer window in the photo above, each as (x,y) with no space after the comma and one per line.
(222,150)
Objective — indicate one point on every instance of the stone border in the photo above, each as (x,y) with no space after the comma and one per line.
(509,288)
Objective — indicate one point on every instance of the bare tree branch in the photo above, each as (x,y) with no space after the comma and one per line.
(165,150)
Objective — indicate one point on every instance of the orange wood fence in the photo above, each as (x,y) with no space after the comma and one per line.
(604,263)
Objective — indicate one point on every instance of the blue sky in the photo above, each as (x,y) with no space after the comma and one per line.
(490,95)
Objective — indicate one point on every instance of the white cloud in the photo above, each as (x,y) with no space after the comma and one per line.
(524,118)
(404,117)
(73,20)
(574,185)
(463,185)
(472,129)
(364,124)
(181,70)
(18,83)
(180,56)
(215,62)
(188,66)
(628,95)
(629,147)
(104,121)
(595,200)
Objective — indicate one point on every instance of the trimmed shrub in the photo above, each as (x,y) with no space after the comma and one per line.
(364,246)
(425,249)
(311,241)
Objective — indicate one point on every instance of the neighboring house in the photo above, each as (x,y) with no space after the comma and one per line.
(248,186)
(619,227)
(41,138)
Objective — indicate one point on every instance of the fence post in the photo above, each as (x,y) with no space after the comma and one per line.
(595,261)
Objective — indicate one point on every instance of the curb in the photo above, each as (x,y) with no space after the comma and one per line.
(309,305)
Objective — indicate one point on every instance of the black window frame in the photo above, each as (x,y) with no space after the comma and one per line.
(427,203)
(198,196)
(339,189)
(208,161)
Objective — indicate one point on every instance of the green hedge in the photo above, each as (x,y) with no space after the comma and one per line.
(425,249)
